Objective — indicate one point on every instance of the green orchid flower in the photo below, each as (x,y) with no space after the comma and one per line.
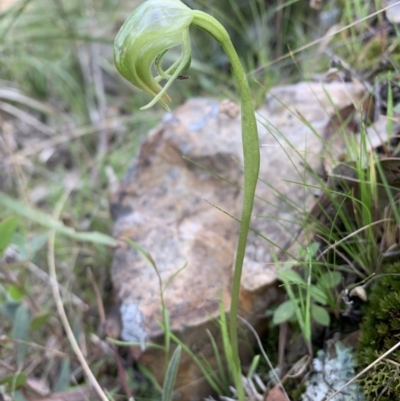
(152,29)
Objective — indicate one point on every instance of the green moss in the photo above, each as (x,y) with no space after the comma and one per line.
(380,330)
(295,389)
(382,379)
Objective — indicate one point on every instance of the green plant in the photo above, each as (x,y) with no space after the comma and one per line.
(143,41)
(217,377)
(7,229)
(162,287)
(170,375)
(307,301)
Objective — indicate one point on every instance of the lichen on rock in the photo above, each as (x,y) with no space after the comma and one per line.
(331,374)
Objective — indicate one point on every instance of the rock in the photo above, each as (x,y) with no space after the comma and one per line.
(392,13)
(330,374)
(165,204)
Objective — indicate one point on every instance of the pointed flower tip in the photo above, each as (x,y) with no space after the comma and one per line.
(151,104)
(151,30)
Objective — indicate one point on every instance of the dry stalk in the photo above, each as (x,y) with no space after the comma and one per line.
(60,307)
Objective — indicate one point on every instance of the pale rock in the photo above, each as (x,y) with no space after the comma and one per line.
(161,204)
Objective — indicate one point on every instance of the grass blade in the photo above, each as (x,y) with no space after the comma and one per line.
(7,229)
(170,375)
(47,221)
(20,332)
(220,365)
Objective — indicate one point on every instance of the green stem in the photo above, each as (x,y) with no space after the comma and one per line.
(251,155)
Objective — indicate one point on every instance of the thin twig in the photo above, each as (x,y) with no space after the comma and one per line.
(60,307)
(393,362)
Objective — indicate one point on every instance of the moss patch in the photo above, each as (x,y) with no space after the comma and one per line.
(380,330)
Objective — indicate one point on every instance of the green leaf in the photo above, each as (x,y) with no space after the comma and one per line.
(312,250)
(253,366)
(290,277)
(320,315)
(7,229)
(283,312)
(15,293)
(170,375)
(318,295)
(209,376)
(13,382)
(62,382)
(45,220)
(28,248)
(330,279)
(20,332)
(39,321)
(218,359)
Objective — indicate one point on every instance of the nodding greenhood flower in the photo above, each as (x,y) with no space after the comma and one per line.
(151,30)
